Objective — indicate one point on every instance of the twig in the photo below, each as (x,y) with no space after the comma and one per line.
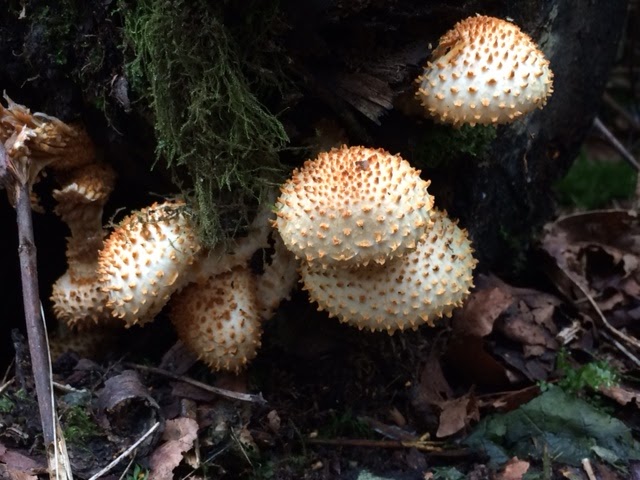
(609,100)
(431,447)
(245,397)
(622,348)
(119,458)
(36,332)
(588,469)
(5,385)
(68,388)
(615,143)
(6,373)
(617,333)
(126,469)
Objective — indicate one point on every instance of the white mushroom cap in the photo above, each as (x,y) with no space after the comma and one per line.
(353,205)
(485,71)
(219,320)
(421,286)
(144,260)
(78,301)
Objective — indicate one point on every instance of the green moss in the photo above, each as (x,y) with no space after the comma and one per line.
(440,143)
(593,184)
(213,132)
(78,426)
(6,405)
(57,26)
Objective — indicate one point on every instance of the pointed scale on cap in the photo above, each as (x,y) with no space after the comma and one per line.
(219,319)
(417,288)
(145,258)
(352,206)
(484,71)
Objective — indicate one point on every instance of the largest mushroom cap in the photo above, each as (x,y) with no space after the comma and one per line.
(485,70)
(353,205)
(421,286)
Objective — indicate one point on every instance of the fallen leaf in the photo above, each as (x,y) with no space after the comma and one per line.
(481,310)
(556,422)
(16,460)
(513,470)
(179,436)
(622,395)
(456,414)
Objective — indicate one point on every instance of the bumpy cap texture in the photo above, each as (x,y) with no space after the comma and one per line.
(485,71)
(144,260)
(219,320)
(421,286)
(353,205)
(79,301)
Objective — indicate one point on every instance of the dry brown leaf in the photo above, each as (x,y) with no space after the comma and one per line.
(433,387)
(179,436)
(481,310)
(514,469)
(622,395)
(20,475)
(456,414)
(15,460)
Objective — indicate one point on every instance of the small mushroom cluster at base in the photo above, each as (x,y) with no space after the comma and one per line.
(217,304)
(485,70)
(387,282)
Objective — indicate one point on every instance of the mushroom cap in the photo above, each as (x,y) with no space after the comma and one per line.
(425,284)
(485,71)
(219,320)
(79,301)
(353,205)
(144,260)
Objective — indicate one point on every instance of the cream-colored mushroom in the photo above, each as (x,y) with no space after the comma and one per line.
(419,287)
(484,71)
(145,260)
(352,206)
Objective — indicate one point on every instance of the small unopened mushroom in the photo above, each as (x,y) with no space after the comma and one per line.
(219,319)
(353,205)
(144,260)
(484,71)
(419,287)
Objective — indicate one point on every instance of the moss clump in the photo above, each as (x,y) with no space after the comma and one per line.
(219,140)
(442,142)
(78,426)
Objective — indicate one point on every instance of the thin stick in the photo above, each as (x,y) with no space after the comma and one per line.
(622,348)
(245,397)
(609,100)
(615,143)
(421,445)
(617,333)
(5,385)
(36,333)
(119,458)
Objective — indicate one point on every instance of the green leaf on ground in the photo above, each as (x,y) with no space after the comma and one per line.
(566,427)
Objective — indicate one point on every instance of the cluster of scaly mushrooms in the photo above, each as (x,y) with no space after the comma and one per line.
(356,224)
